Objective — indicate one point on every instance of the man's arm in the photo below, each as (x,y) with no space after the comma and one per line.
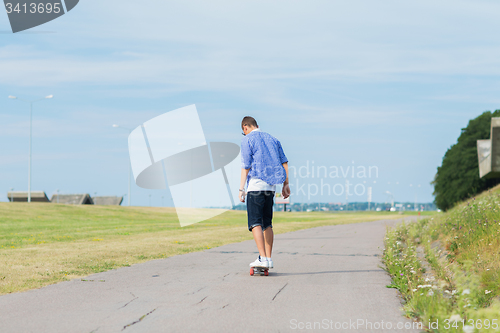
(285,192)
(244,175)
(246,164)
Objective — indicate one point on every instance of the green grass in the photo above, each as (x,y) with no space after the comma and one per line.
(41,243)
(462,252)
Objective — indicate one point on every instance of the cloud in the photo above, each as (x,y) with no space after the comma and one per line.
(12,159)
(80,121)
(224,46)
(216,71)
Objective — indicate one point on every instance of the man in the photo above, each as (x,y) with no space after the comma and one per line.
(264,165)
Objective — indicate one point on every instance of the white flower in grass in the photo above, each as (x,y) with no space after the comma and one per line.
(414,290)
(466,292)
(430,293)
(487,292)
(468,329)
(455,318)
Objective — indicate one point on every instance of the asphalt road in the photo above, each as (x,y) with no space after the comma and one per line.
(325,279)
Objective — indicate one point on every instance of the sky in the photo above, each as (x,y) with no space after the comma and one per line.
(386,85)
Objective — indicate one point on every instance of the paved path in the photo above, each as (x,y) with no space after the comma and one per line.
(328,275)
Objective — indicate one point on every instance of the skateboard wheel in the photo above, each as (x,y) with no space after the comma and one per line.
(266,272)
(251,271)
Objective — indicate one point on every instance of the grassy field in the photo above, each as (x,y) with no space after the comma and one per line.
(41,243)
(448,267)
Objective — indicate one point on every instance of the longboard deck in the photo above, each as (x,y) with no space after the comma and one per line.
(259,271)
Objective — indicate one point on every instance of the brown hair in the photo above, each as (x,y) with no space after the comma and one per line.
(249,121)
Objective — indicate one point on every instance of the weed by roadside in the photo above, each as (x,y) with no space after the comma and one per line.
(447,268)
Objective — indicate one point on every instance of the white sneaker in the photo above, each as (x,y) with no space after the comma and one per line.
(258,263)
(270,263)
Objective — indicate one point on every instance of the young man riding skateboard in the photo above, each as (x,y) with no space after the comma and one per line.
(263,166)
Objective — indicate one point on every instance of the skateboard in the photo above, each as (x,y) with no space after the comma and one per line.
(259,271)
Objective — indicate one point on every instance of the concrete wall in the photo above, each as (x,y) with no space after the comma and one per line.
(107,200)
(22,196)
(72,199)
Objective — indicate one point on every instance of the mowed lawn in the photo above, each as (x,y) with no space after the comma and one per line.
(43,243)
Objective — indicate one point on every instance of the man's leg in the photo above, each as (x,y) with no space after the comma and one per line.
(269,238)
(267,219)
(259,240)
(255,205)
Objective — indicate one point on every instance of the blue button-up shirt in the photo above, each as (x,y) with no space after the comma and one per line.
(263,155)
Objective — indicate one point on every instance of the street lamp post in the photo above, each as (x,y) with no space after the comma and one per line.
(129,166)
(392,198)
(415,205)
(31,122)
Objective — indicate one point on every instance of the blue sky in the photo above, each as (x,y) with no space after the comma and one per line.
(386,84)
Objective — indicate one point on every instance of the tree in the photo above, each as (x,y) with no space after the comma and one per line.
(457,178)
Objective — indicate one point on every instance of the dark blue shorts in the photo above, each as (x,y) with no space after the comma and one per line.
(260,209)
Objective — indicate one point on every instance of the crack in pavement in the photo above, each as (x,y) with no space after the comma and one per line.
(139,320)
(286,284)
(133,299)
(194,292)
(308,238)
(202,300)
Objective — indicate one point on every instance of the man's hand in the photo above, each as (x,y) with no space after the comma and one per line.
(244,176)
(242,195)
(285,191)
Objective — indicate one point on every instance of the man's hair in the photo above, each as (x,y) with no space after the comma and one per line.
(249,121)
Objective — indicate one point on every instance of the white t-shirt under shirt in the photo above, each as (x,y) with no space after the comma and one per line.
(256,184)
